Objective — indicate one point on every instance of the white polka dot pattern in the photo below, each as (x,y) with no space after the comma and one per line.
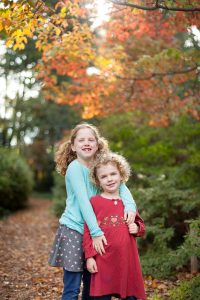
(67,250)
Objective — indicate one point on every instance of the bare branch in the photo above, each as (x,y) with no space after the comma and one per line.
(155,7)
(160,74)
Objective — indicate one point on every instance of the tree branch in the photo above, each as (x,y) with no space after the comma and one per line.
(155,7)
(159,74)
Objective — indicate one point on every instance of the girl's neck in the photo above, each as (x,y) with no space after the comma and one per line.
(114,195)
(86,163)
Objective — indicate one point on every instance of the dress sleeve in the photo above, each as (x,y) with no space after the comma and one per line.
(140,223)
(88,249)
(77,183)
(128,201)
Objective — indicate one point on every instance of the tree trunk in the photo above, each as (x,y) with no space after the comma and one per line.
(194,264)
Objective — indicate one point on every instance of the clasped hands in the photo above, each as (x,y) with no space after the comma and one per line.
(99,241)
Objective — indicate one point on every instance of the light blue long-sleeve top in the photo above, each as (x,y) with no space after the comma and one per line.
(79,190)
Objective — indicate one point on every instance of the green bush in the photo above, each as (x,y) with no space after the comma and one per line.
(165,180)
(167,245)
(157,264)
(59,195)
(191,245)
(188,290)
(15,181)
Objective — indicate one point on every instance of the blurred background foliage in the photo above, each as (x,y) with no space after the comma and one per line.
(29,125)
(16,181)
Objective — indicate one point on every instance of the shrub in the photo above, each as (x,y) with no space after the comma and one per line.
(15,181)
(191,245)
(157,264)
(59,195)
(187,290)
(167,247)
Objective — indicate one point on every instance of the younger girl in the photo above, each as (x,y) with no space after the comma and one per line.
(73,160)
(118,271)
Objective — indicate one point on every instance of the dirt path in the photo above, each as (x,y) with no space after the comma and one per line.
(25,241)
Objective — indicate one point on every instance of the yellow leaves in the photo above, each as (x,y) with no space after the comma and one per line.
(19,46)
(63,12)
(18,39)
(9,43)
(18,24)
(74,47)
(103,62)
(17,33)
(58,31)
(27,31)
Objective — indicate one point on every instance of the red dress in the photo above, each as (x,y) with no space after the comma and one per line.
(119,270)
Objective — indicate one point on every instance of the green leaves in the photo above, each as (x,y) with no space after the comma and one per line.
(165,184)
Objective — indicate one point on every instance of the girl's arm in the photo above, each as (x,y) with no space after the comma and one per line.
(127,198)
(75,178)
(141,226)
(137,228)
(129,204)
(89,251)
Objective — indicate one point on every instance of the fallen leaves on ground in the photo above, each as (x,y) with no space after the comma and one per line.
(25,242)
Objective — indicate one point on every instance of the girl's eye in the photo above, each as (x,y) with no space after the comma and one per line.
(102,177)
(114,173)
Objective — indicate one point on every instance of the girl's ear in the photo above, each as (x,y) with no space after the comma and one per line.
(73,148)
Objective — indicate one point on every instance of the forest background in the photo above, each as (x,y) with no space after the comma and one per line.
(133,69)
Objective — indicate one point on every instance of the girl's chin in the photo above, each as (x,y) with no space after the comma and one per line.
(111,191)
(87,155)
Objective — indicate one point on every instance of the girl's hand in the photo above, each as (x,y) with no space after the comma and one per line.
(91,265)
(97,243)
(129,217)
(133,228)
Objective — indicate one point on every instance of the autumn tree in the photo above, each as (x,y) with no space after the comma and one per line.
(139,57)
(153,69)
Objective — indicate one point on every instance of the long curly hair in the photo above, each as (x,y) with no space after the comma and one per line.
(118,160)
(64,155)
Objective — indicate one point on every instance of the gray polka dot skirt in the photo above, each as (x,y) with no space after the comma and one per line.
(67,250)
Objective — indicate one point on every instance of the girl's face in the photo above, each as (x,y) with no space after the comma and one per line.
(109,178)
(85,145)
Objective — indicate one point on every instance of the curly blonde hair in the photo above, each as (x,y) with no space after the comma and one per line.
(118,160)
(64,155)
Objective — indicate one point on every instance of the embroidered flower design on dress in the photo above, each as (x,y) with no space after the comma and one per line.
(113,220)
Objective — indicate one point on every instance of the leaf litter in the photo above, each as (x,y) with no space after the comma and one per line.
(25,243)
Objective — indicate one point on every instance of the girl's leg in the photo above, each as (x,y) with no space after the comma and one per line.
(86,288)
(86,285)
(72,282)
